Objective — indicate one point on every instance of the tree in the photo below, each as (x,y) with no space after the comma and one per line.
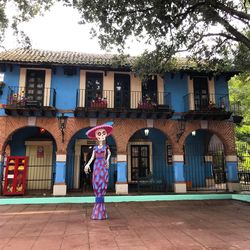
(239,90)
(204,28)
(24,11)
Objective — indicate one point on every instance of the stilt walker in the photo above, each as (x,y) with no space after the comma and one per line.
(101,166)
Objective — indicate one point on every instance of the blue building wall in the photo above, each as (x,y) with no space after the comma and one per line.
(66,87)
(196,170)
(11,78)
(177,85)
(161,171)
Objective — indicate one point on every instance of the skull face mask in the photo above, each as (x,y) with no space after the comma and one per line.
(101,134)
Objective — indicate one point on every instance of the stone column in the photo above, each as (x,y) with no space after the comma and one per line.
(60,187)
(180,185)
(232,173)
(121,186)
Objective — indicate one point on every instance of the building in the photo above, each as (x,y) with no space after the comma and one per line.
(172,133)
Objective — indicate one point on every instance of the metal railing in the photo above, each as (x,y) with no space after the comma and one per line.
(19,97)
(125,100)
(206,102)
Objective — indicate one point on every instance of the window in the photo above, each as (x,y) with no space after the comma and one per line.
(94,86)
(149,90)
(122,90)
(35,83)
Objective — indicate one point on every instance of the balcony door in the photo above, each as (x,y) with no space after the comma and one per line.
(140,161)
(122,90)
(201,96)
(149,90)
(94,86)
(35,82)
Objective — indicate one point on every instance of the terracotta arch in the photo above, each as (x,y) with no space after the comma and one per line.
(15,130)
(224,131)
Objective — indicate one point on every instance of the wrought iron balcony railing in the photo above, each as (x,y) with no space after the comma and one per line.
(206,102)
(21,97)
(109,99)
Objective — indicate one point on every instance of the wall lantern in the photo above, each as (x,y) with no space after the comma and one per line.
(62,122)
(146,131)
(180,128)
(194,133)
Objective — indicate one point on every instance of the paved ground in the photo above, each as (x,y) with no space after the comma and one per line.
(148,225)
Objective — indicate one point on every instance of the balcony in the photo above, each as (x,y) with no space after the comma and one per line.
(206,107)
(113,104)
(23,102)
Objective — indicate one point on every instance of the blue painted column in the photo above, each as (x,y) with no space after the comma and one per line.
(209,171)
(121,186)
(232,173)
(180,185)
(60,187)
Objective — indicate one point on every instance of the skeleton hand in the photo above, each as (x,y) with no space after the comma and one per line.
(87,169)
(107,164)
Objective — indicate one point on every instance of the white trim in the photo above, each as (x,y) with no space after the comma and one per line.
(61,158)
(211,89)
(78,144)
(233,187)
(31,121)
(150,123)
(160,89)
(38,143)
(204,124)
(108,88)
(190,83)
(47,82)
(231,158)
(121,158)
(59,190)
(150,155)
(82,87)
(92,122)
(178,158)
(121,188)
(180,187)
(208,158)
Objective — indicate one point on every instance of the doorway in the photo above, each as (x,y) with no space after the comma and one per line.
(140,161)
(201,95)
(122,90)
(85,180)
(35,82)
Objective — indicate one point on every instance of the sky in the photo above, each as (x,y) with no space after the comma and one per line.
(59,30)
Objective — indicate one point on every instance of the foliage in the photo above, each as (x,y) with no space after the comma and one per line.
(206,29)
(239,92)
(24,11)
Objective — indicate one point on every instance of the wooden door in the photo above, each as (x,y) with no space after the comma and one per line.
(35,82)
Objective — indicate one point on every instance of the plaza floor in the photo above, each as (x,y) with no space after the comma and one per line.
(157,225)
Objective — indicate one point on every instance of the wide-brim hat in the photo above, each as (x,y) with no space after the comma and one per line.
(107,126)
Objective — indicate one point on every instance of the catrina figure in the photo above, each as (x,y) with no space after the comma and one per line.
(101,154)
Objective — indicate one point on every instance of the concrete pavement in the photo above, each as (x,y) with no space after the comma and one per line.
(135,225)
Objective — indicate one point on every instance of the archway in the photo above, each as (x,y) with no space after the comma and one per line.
(150,160)
(79,151)
(40,147)
(204,161)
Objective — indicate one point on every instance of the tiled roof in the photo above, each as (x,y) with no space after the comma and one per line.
(56,57)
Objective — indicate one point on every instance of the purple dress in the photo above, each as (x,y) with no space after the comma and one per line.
(100,183)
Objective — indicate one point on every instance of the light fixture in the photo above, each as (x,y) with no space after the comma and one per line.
(193,133)
(146,131)
(42,130)
(62,122)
